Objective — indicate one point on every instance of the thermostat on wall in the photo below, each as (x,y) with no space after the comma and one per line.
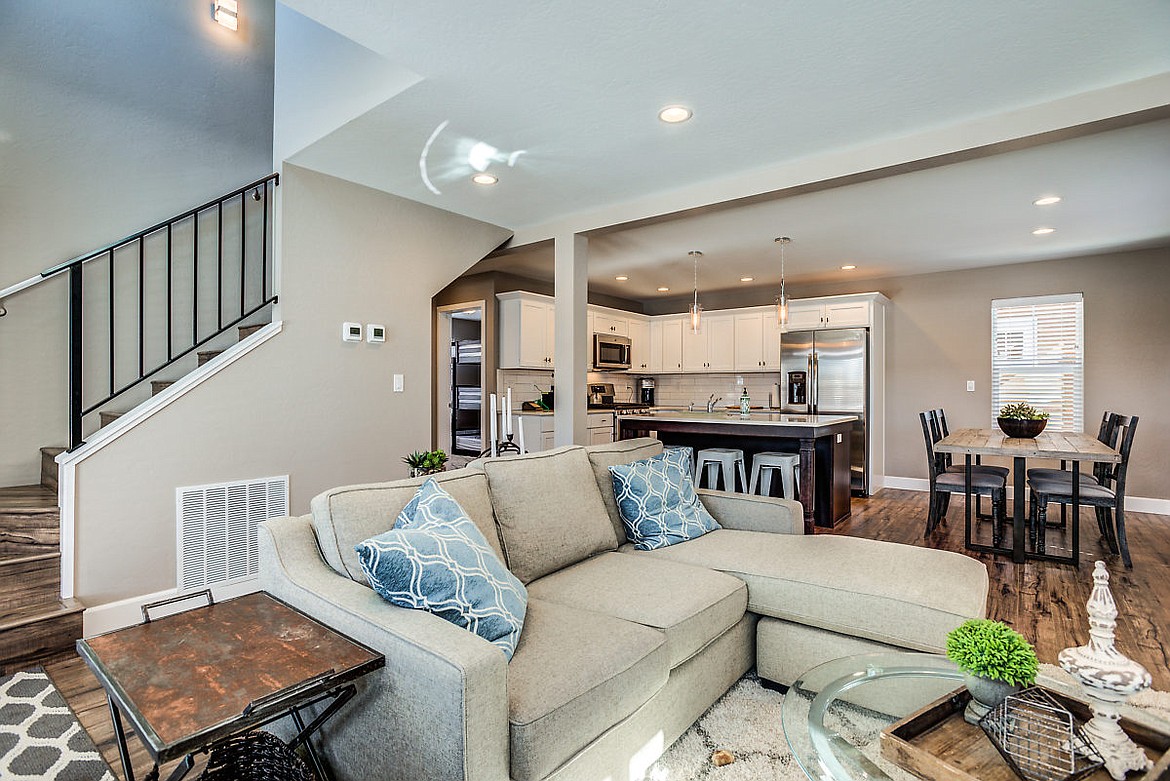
(351,332)
(375,332)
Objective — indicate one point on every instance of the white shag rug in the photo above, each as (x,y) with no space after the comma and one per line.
(746,722)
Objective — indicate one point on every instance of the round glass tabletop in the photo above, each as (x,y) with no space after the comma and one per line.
(834,714)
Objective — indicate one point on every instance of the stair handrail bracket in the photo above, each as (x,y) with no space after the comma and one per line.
(251,288)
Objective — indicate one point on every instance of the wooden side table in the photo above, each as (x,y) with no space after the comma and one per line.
(192,680)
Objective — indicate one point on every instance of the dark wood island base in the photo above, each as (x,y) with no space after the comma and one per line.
(821,441)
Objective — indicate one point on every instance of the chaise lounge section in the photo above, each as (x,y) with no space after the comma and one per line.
(621,650)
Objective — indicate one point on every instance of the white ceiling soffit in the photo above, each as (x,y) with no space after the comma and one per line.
(566,93)
(1115,190)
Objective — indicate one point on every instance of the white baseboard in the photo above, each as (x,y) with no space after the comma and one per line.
(1137,504)
(128,612)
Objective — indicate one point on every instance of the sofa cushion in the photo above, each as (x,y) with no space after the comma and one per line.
(896,594)
(549,510)
(690,605)
(436,559)
(343,517)
(574,675)
(602,457)
(657,501)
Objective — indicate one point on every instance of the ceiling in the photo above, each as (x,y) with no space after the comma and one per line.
(567,94)
(1114,185)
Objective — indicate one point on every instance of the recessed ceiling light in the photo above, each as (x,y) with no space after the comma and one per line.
(848,267)
(675,114)
(484,179)
(663,290)
(746,279)
(622,278)
(1043,231)
(1047,200)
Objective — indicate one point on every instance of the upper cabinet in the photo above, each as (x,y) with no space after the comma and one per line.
(527,337)
(639,333)
(733,340)
(713,348)
(757,341)
(856,311)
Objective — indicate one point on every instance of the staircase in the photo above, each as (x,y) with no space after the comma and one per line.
(36,625)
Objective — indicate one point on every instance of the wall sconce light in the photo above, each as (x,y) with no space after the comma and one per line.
(227,13)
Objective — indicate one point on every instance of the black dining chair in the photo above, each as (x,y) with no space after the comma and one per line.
(1107,435)
(1109,502)
(947,478)
(940,429)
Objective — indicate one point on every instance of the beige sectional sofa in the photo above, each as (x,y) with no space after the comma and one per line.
(621,650)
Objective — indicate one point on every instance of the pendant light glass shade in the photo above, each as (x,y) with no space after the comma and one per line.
(782,299)
(696,309)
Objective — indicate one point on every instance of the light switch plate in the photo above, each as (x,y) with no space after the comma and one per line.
(375,332)
(351,332)
(398,383)
(971,386)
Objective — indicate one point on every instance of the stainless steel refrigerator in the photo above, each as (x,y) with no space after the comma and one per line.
(827,373)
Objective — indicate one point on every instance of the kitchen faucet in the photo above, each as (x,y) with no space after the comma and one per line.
(711,402)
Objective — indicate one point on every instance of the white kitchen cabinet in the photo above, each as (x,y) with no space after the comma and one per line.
(713,348)
(639,345)
(609,322)
(665,345)
(757,341)
(526,331)
(600,428)
(833,312)
(538,430)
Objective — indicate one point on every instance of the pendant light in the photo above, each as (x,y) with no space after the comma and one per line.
(696,309)
(782,299)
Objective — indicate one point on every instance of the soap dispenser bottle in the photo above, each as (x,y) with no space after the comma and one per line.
(745,403)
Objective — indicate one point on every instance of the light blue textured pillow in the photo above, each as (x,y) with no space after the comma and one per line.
(657,501)
(436,559)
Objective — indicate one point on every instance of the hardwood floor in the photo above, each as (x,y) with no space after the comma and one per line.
(1043,601)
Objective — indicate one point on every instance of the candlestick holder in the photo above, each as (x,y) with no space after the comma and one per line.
(1108,678)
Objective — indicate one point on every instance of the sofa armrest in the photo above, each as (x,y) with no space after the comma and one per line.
(747,512)
(438,709)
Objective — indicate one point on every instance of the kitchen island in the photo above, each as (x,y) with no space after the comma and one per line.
(821,440)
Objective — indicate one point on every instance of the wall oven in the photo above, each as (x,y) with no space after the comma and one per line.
(610,352)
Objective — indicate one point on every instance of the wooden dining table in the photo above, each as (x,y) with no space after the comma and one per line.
(1064,445)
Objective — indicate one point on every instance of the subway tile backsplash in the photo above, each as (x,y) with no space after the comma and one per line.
(673,390)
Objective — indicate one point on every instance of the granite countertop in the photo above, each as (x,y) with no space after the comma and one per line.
(755,418)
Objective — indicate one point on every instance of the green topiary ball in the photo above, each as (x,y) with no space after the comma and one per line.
(992,649)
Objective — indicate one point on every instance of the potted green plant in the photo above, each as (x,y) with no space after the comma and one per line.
(426,462)
(1021,420)
(996,660)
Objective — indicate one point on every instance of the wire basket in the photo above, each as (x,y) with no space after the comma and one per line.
(255,756)
(1039,738)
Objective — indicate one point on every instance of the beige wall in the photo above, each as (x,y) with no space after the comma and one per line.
(939,336)
(304,403)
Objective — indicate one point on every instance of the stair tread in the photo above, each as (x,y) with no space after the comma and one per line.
(30,614)
(27,498)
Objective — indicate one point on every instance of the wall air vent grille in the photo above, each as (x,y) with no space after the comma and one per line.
(217,528)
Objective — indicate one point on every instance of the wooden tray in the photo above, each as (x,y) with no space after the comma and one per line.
(935,743)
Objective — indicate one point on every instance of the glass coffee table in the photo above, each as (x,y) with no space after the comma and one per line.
(837,707)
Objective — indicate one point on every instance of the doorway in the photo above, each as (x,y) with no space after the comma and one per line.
(460,379)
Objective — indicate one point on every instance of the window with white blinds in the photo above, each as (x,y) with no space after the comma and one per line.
(1038,357)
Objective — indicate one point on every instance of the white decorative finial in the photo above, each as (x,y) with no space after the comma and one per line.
(1109,678)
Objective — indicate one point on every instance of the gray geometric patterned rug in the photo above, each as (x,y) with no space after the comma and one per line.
(40,738)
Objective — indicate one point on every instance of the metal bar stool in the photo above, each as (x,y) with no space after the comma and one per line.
(763,464)
(712,460)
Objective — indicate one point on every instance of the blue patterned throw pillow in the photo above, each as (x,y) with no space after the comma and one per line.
(657,501)
(436,559)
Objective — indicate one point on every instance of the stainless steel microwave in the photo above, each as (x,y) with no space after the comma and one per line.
(611,352)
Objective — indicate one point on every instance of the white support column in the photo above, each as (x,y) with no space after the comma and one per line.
(571,351)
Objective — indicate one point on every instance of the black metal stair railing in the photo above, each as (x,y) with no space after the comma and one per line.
(129,371)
